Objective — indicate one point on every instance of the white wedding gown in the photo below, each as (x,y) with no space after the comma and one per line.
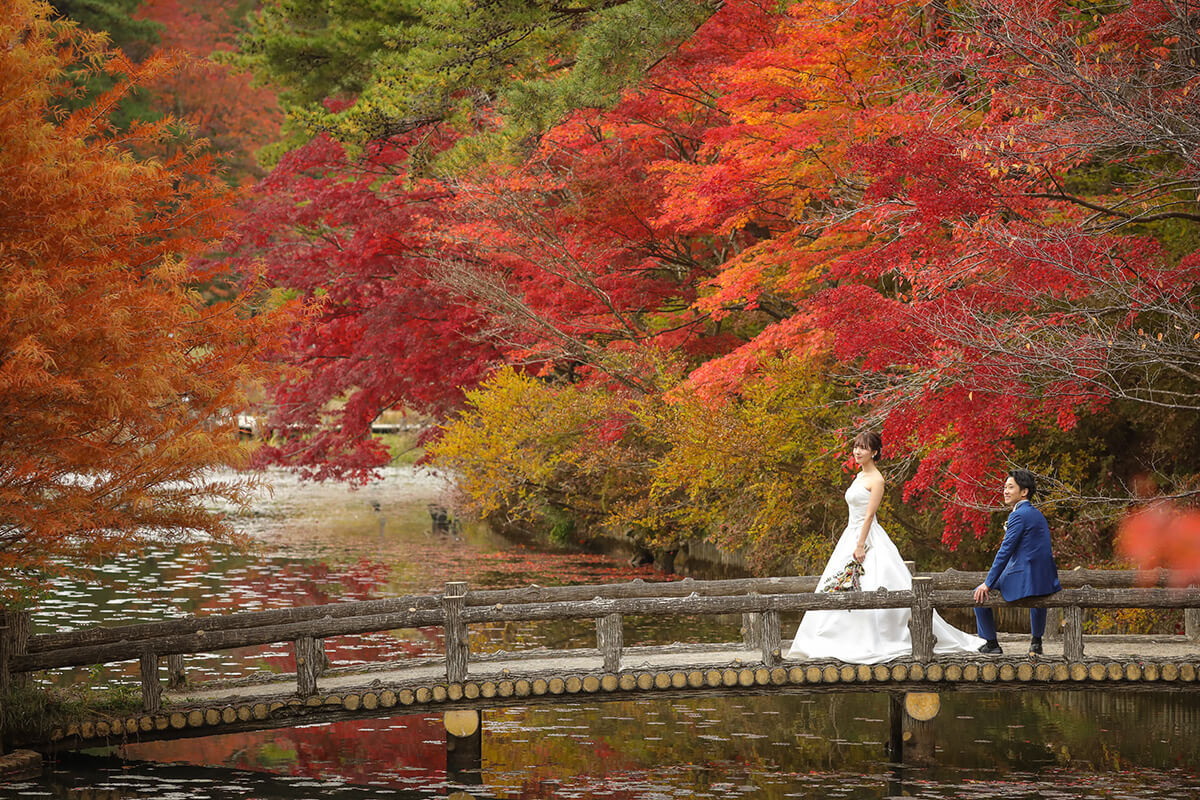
(870,636)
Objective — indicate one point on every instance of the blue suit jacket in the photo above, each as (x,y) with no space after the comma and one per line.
(1024,565)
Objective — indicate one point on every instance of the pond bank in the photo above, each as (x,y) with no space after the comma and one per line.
(19,765)
(695,558)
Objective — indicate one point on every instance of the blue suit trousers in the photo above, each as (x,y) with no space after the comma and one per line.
(985,623)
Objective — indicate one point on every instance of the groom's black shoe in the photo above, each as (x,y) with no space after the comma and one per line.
(1035,646)
(990,647)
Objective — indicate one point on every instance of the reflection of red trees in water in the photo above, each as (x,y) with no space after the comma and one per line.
(376,750)
(270,584)
(364,750)
(379,751)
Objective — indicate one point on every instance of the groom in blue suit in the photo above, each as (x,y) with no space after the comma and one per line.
(1024,565)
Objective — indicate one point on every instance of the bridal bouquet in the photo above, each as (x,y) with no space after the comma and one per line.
(847,579)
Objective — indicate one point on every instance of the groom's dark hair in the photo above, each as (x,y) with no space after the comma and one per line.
(1024,480)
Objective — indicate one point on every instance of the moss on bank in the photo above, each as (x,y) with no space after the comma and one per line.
(30,714)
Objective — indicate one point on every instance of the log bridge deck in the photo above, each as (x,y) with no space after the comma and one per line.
(321,692)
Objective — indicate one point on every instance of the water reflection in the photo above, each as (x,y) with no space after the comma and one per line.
(316,544)
(771,747)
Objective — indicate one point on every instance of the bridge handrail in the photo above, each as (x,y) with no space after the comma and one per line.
(456,608)
(182,640)
(143,631)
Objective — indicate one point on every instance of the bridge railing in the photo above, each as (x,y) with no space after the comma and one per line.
(759,600)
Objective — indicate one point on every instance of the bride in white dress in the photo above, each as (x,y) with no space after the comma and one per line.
(869,636)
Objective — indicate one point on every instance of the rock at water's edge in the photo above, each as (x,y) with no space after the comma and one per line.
(20,764)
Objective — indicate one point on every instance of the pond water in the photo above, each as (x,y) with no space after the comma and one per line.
(320,543)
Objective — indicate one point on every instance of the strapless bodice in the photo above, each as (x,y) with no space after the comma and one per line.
(858,498)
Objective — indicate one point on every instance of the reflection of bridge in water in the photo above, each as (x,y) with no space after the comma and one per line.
(461,681)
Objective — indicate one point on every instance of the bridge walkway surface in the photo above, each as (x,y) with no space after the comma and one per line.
(612,670)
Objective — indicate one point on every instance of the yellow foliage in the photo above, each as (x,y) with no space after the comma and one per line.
(758,473)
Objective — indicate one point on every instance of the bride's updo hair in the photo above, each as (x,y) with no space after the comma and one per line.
(872,441)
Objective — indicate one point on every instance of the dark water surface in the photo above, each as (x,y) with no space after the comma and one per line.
(319,544)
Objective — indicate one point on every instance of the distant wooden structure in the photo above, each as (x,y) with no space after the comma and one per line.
(459,679)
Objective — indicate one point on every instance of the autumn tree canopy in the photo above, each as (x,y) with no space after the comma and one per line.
(974,226)
(117,381)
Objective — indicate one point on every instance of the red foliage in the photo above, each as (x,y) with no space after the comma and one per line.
(1162,534)
(877,183)
(218,100)
(354,244)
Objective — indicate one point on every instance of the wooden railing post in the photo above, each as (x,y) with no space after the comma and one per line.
(912,567)
(610,639)
(1191,621)
(322,657)
(1054,621)
(1073,633)
(14,641)
(5,675)
(307,663)
(457,649)
(770,637)
(920,625)
(151,688)
(176,676)
(752,628)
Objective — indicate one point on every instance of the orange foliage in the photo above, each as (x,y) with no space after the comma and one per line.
(220,101)
(117,383)
(1163,535)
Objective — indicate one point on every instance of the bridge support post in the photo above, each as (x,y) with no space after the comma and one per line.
(610,639)
(896,727)
(464,746)
(151,688)
(5,674)
(322,657)
(770,638)
(307,664)
(1073,633)
(920,625)
(454,600)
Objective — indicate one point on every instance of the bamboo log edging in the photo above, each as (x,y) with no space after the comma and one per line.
(979,675)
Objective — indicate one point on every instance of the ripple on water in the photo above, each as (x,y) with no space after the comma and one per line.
(320,543)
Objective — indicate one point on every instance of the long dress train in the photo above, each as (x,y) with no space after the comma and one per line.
(870,636)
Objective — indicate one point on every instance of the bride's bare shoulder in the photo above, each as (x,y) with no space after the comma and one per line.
(872,480)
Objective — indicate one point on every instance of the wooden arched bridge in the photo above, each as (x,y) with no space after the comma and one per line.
(321,692)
